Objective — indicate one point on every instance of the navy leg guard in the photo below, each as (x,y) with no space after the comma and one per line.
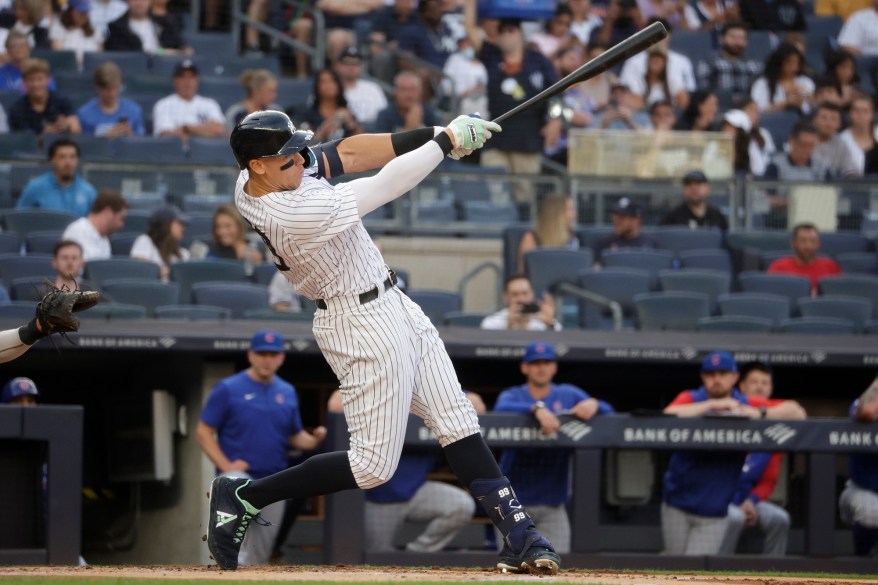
(865,540)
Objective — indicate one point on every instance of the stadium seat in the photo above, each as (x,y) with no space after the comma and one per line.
(263,273)
(761,240)
(617,284)
(817,325)
(512,235)
(28,288)
(128,181)
(25,221)
(871,327)
(111,311)
(467,185)
(709,282)
(164,65)
(99,271)
(14,144)
(766,258)
(210,43)
(787,285)
(142,84)
(238,297)
(131,62)
(653,261)
(236,66)
(692,43)
(591,234)
(121,243)
(670,310)
(272,315)
(58,60)
(486,212)
(548,267)
(145,201)
(210,151)
(73,83)
(95,148)
(227,91)
(205,203)
(19,310)
(774,307)
(436,303)
(853,285)
(42,242)
(836,243)
(679,240)
(706,260)
(10,243)
(295,91)
(441,212)
(187,274)
(144,293)
(779,124)
(21,175)
(155,149)
(855,309)
(733,323)
(759,45)
(462,319)
(14,266)
(192,312)
(860,262)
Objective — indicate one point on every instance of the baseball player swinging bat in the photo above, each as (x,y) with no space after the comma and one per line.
(634,44)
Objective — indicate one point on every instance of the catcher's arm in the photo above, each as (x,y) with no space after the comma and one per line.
(14,342)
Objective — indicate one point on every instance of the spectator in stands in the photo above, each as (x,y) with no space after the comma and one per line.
(328,115)
(161,243)
(339,17)
(41,110)
(700,114)
(648,77)
(841,67)
(387,21)
(862,135)
(762,147)
(711,15)
(185,113)
(826,91)
(73,31)
(700,485)
(694,212)
(522,309)
(250,421)
(553,229)
(750,506)
(141,30)
(229,238)
(260,88)
(799,163)
(429,37)
(365,98)
(737,124)
(858,35)
(103,12)
(598,88)
(827,121)
(92,232)
(282,296)
(61,189)
(858,503)
(622,20)
(727,70)
(773,15)
(408,110)
(576,103)
(20,392)
(662,115)
(583,21)
(17,53)
(671,12)
(543,476)
(621,112)
(782,85)
(556,35)
(108,114)
(68,263)
(627,220)
(467,78)
(805,260)
(515,74)
(409,495)
(29,15)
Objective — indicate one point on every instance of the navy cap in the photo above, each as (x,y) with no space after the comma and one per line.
(184,66)
(719,361)
(695,177)
(539,350)
(350,53)
(18,387)
(267,340)
(168,214)
(627,207)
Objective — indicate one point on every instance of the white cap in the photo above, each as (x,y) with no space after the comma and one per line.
(738,119)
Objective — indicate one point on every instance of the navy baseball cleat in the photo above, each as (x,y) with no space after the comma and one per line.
(538,557)
(229,518)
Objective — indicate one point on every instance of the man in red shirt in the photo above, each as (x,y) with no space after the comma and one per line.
(804,261)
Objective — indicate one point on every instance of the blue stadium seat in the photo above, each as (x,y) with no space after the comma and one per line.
(677,239)
(18,310)
(779,125)
(856,309)
(152,149)
(121,243)
(776,308)
(28,288)
(225,90)
(820,39)
(653,261)
(187,274)
(853,285)
(591,234)
(706,260)
(125,180)
(153,84)
(512,235)
(835,243)
(759,45)
(272,315)
(210,43)
(759,240)
(441,212)
(26,221)
(204,203)
(192,312)
(131,62)
(437,303)
(617,284)
(236,66)
(462,319)
(58,60)
(210,151)
(164,65)
(14,144)
(871,327)
(786,285)
(42,242)
(200,222)
(73,83)
(818,326)
(709,282)
(99,271)
(9,243)
(111,311)
(263,273)
(238,297)
(670,310)
(860,262)
(727,323)
(145,201)
(13,266)
(295,91)
(96,148)
(694,44)
(477,183)
(144,293)
(548,267)
(486,212)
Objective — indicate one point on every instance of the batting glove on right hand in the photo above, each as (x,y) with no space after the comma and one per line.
(471,133)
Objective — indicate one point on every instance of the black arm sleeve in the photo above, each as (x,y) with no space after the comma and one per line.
(409,140)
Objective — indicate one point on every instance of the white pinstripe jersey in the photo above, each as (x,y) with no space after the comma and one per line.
(316,236)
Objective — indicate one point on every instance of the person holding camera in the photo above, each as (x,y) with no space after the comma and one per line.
(523,311)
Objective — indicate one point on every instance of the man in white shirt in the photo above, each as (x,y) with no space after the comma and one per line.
(103,12)
(522,309)
(106,217)
(365,98)
(859,35)
(681,74)
(185,113)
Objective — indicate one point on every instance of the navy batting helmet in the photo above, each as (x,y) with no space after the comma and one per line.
(18,387)
(269,133)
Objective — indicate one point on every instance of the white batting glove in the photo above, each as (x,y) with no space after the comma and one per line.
(471,132)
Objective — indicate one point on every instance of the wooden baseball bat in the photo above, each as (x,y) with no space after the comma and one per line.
(634,44)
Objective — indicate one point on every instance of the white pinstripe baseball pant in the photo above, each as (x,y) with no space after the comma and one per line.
(389,361)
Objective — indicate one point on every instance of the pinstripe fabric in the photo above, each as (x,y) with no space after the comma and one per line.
(386,354)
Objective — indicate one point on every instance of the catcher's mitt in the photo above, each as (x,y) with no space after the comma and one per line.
(55,310)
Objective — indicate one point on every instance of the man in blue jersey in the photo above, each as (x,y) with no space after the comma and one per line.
(858,503)
(62,188)
(542,479)
(700,485)
(249,422)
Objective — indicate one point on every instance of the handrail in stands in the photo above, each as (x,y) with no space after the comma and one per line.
(317,52)
(590,297)
(486,265)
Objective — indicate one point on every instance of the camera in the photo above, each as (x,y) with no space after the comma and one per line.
(530,308)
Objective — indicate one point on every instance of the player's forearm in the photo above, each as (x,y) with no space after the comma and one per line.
(207,440)
(788,410)
(684,410)
(12,344)
(367,152)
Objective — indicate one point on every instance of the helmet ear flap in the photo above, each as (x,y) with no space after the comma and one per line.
(308,155)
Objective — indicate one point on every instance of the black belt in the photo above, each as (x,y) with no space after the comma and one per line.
(369,295)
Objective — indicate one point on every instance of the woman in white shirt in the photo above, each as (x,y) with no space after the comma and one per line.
(161,243)
(783,86)
(762,147)
(656,86)
(74,32)
(862,135)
